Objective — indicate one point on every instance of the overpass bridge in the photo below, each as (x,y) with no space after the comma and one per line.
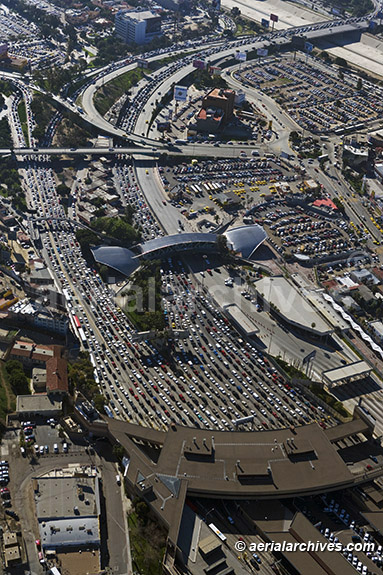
(311,33)
(151,153)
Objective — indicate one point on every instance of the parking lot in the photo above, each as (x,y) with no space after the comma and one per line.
(45,439)
(313,94)
(208,186)
(39,53)
(13,25)
(340,521)
(294,231)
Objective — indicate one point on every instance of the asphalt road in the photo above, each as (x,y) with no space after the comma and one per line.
(167,215)
(294,15)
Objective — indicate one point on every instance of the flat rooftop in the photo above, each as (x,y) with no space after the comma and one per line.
(291,305)
(140,14)
(356,369)
(40,402)
(343,430)
(241,319)
(225,464)
(286,463)
(77,564)
(73,532)
(375,519)
(313,562)
(66,497)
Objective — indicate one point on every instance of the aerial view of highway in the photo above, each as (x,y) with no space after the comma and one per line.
(191,276)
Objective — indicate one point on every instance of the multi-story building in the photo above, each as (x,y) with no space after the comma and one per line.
(220,99)
(137,26)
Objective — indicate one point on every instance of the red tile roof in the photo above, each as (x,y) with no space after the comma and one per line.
(325,202)
(57,375)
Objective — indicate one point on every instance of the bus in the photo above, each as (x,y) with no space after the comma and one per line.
(67,295)
(246,115)
(82,335)
(77,322)
(217,532)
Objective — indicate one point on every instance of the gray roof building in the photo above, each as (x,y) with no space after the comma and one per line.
(68,511)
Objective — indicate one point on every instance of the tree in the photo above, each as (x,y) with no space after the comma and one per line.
(222,245)
(81,376)
(294,136)
(99,402)
(63,190)
(324,55)
(341,62)
(359,85)
(17,378)
(118,228)
(142,510)
(339,204)
(13,365)
(118,451)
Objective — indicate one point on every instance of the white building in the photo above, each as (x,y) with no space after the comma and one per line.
(44,318)
(137,26)
(377,328)
(240,98)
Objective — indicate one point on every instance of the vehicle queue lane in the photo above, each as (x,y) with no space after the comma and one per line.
(156,396)
(91,336)
(274,338)
(164,397)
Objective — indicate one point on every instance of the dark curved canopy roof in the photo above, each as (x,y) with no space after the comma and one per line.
(120,259)
(177,240)
(246,239)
